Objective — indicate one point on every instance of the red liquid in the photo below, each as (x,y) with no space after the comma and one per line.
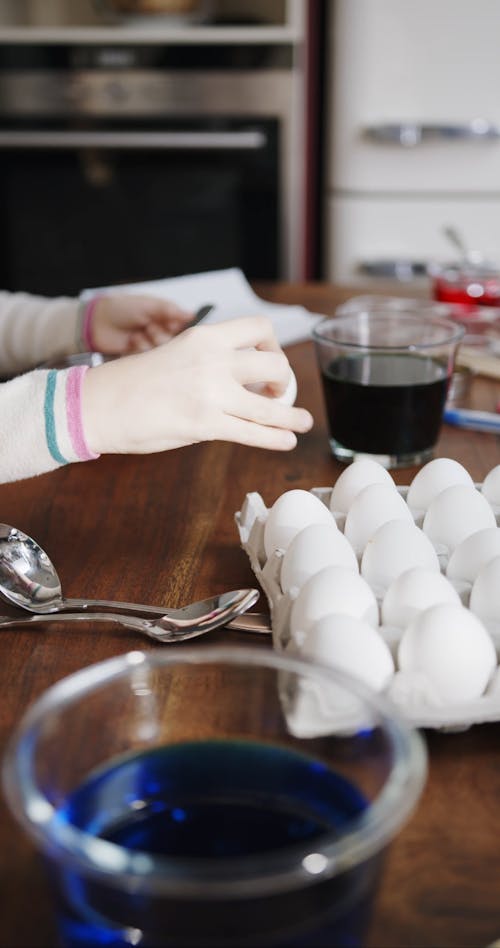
(468,290)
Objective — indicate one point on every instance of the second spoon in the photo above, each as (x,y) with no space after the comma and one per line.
(29,580)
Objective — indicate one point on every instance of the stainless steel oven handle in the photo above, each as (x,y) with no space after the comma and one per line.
(249,140)
(410,134)
(400,269)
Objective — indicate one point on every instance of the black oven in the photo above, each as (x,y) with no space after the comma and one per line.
(130,164)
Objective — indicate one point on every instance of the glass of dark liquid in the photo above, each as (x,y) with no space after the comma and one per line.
(204,797)
(385,374)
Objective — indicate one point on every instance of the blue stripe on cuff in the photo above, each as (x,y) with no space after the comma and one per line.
(50,424)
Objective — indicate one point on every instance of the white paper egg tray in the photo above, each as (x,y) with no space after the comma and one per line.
(411,702)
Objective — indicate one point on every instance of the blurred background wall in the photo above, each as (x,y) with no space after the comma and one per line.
(298,139)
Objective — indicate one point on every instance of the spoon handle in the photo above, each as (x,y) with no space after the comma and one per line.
(185,615)
(249,622)
(91,606)
(128,622)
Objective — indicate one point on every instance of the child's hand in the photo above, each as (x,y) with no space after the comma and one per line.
(193,389)
(122,323)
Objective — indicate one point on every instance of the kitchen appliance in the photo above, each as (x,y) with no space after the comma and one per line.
(122,163)
(150,6)
(174,12)
(413,141)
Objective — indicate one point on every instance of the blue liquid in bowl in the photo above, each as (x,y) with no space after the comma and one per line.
(216,800)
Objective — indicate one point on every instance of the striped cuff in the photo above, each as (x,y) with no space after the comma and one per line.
(63,416)
(84,340)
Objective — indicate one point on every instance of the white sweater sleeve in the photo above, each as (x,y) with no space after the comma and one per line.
(41,423)
(34,329)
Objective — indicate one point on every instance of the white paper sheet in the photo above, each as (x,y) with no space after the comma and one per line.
(231,295)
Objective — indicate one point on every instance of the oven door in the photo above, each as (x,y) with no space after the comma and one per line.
(90,206)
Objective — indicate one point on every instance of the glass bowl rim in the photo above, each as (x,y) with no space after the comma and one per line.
(183,877)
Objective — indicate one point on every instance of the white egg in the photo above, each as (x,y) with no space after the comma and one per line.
(473,553)
(395,547)
(455,514)
(451,647)
(316,546)
(353,646)
(414,591)
(373,506)
(432,478)
(292,511)
(485,593)
(290,393)
(287,398)
(353,479)
(334,589)
(490,487)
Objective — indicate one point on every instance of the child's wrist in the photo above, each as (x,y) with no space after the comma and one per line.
(63,416)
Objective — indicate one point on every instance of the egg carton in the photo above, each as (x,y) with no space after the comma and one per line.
(307,711)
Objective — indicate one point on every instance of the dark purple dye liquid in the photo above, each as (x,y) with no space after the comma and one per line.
(216,800)
(385,404)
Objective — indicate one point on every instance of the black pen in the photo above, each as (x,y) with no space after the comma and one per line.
(200,314)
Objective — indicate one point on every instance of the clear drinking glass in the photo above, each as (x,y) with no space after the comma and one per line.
(212,797)
(385,372)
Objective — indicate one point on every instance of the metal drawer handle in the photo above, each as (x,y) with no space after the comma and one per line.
(191,141)
(400,269)
(410,134)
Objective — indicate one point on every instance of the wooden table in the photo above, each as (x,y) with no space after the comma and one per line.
(161,529)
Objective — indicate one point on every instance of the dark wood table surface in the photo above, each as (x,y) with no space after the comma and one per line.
(160,529)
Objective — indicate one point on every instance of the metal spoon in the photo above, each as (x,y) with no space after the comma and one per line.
(28,580)
(248,622)
(457,241)
(467,258)
(215,612)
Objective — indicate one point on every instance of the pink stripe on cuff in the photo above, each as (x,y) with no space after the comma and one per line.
(74,382)
(87,324)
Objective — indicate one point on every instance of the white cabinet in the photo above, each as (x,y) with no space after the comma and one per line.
(396,237)
(413,130)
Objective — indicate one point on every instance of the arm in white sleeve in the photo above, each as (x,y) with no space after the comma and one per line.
(34,329)
(41,423)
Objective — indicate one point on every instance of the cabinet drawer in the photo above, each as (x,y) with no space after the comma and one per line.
(361,231)
(413,99)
